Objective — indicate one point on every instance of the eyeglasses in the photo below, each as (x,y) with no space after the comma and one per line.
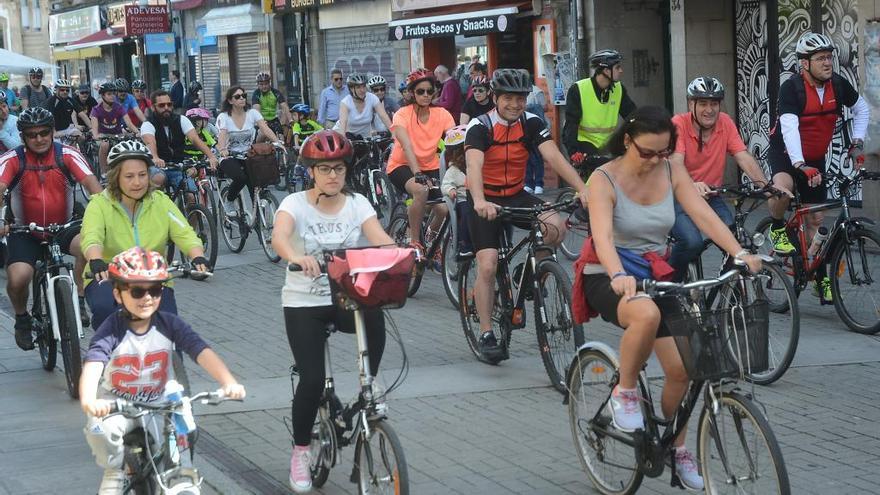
(326,169)
(648,154)
(823,58)
(425,91)
(238,96)
(155,291)
(163,105)
(35,135)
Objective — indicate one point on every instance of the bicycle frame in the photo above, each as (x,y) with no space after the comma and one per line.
(53,263)
(533,242)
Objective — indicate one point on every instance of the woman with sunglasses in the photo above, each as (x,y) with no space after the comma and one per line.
(131,212)
(238,124)
(479,103)
(418,128)
(631,202)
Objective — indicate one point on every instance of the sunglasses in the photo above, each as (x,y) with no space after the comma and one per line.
(423,91)
(155,291)
(480,90)
(325,169)
(63,89)
(35,135)
(238,96)
(84,93)
(36,77)
(337,78)
(648,154)
(376,90)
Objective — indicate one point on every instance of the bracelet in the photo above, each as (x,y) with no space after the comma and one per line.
(742,253)
(619,274)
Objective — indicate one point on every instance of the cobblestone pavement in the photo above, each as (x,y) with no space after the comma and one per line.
(466,427)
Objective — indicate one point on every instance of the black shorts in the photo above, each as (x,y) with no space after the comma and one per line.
(401,175)
(603,299)
(780,162)
(25,248)
(486,234)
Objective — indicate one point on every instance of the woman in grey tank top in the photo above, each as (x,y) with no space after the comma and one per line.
(631,206)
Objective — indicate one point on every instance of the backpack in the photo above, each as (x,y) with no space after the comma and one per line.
(30,92)
(836,84)
(486,121)
(22,165)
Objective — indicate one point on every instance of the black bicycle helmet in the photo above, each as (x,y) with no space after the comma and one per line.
(138,84)
(122,85)
(605,59)
(107,87)
(35,71)
(705,88)
(84,87)
(129,149)
(511,81)
(195,86)
(35,117)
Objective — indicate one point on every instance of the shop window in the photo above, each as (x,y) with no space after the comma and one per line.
(38,15)
(25,15)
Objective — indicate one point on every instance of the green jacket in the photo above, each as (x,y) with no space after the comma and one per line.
(107,224)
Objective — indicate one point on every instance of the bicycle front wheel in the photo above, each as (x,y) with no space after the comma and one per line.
(67,324)
(558,336)
(267,206)
(449,267)
(45,340)
(202,223)
(233,227)
(382,197)
(738,450)
(470,320)
(856,294)
(609,462)
(381,464)
(569,246)
(323,447)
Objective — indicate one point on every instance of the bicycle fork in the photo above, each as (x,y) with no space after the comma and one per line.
(53,309)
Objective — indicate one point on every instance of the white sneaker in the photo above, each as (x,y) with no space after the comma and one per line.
(529,190)
(300,473)
(113,482)
(626,411)
(539,190)
(687,470)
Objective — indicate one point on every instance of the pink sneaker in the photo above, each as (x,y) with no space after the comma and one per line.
(300,474)
(626,411)
(687,470)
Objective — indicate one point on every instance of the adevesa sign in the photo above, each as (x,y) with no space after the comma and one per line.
(466,26)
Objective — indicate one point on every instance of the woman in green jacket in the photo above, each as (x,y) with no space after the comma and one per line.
(131,212)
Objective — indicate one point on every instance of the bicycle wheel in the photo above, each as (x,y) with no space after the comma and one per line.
(382,197)
(323,447)
(200,220)
(234,229)
(398,227)
(207,200)
(67,325)
(140,472)
(571,243)
(381,464)
(610,463)
(558,336)
(738,451)
(467,310)
(45,340)
(853,268)
(268,205)
(449,267)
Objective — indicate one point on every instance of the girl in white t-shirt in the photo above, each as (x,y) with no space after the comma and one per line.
(327,216)
(238,126)
(358,109)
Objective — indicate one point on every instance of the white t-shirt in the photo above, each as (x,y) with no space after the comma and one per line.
(315,231)
(361,123)
(148,129)
(240,139)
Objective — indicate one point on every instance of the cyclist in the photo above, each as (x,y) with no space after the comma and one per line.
(417,129)
(4,86)
(379,87)
(479,103)
(299,237)
(63,110)
(454,187)
(359,109)
(496,151)
(131,212)
(706,135)
(139,91)
(303,126)
(10,137)
(268,100)
(809,106)
(138,345)
(109,118)
(85,102)
(193,99)
(34,94)
(406,96)
(40,176)
(631,209)
(199,118)
(128,101)
(592,108)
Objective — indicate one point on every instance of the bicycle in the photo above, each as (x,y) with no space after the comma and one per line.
(379,461)
(54,311)
(577,225)
(717,346)
(152,450)
(199,217)
(294,177)
(542,280)
(784,332)
(851,242)
(369,179)
(259,217)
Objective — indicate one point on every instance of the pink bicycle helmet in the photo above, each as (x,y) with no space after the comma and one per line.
(198,113)
(325,145)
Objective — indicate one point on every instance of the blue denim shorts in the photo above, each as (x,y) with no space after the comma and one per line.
(176,176)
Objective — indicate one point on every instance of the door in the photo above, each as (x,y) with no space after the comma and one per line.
(246,59)
(207,63)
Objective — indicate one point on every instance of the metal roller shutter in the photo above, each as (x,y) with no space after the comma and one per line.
(364,50)
(208,68)
(246,60)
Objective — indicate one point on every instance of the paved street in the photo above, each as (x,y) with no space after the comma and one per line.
(466,427)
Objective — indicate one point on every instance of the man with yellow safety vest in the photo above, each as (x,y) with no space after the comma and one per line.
(592,108)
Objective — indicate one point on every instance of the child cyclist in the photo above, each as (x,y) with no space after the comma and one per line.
(303,125)
(454,187)
(199,118)
(130,357)
(327,216)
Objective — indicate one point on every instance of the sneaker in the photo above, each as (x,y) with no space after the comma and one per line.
(626,412)
(822,290)
(437,262)
(24,332)
(539,190)
(112,482)
(229,208)
(687,470)
(84,312)
(781,243)
(300,473)
(529,190)
(489,348)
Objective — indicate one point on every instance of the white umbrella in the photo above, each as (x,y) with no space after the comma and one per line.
(16,62)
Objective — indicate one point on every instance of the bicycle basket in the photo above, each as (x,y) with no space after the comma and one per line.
(371,277)
(722,343)
(261,165)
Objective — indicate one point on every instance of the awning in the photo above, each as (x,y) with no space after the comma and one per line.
(186,4)
(237,19)
(461,23)
(18,63)
(109,36)
(93,52)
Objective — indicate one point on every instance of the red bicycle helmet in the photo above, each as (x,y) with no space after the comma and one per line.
(139,265)
(418,76)
(325,145)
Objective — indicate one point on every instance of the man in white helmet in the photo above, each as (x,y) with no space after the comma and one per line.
(809,106)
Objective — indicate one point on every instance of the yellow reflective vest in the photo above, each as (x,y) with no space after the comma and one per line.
(598,120)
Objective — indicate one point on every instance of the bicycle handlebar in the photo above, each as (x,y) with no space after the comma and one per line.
(187,164)
(532,211)
(134,410)
(746,191)
(656,287)
(186,270)
(51,229)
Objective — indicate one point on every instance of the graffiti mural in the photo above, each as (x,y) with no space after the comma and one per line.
(752,105)
(871,90)
(362,51)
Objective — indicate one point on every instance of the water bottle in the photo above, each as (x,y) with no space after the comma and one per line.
(184,423)
(818,240)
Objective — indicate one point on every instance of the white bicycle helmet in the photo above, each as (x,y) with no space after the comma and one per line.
(705,87)
(811,43)
(62,83)
(375,81)
(128,149)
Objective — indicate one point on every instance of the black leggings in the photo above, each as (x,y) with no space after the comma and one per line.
(306,335)
(234,169)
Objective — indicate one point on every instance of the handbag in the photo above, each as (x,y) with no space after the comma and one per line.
(261,165)
(371,277)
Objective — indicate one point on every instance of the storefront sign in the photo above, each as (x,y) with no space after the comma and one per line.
(116,15)
(73,25)
(289,5)
(203,38)
(147,19)
(192,47)
(471,24)
(401,5)
(159,43)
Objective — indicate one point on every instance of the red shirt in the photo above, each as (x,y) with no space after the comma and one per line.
(144,105)
(707,165)
(816,123)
